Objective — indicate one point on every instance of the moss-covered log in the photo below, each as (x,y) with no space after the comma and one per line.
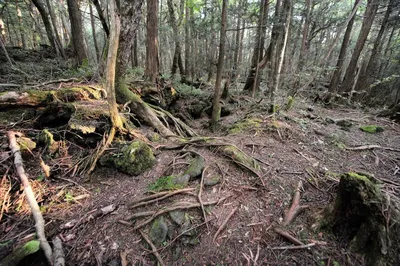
(38,98)
(357,215)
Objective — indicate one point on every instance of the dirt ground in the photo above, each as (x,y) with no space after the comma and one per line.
(301,146)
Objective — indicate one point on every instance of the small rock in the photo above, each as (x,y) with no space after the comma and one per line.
(177,217)
(212,181)
(158,231)
(344,123)
(310,108)
(329,120)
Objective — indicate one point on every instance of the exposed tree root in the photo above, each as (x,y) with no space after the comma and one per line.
(294,247)
(30,197)
(101,149)
(59,256)
(295,208)
(289,237)
(88,217)
(157,197)
(153,248)
(199,197)
(222,226)
(179,206)
(371,147)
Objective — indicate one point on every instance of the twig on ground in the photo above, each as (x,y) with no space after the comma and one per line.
(295,208)
(371,147)
(93,214)
(199,197)
(289,237)
(225,222)
(59,256)
(30,197)
(294,247)
(153,248)
(180,206)
(157,197)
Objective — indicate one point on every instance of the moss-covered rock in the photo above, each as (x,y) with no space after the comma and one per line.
(131,159)
(371,129)
(248,123)
(195,168)
(241,158)
(357,216)
(158,231)
(169,183)
(47,139)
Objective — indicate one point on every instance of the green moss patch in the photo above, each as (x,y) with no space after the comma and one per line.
(165,183)
(132,159)
(248,123)
(371,129)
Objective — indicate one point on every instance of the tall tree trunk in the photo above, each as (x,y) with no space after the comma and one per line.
(152,63)
(101,17)
(54,23)
(134,52)
(366,77)
(304,40)
(93,25)
(45,18)
(333,86)
(369,16)
(36,27)
(237,45)
(20,25)
(76,30)
(187,40)
(284,24)
(177,63)
(253,80)
(216,111)
(65,25)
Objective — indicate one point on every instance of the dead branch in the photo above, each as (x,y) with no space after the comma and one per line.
(225,222)
(157,197)
(289,237)
(371,147)
(56,81)
(88,217)
(180,206)
(153,248)
(294,247)
(199,197)
(295,208)
(59,256)
(37,215)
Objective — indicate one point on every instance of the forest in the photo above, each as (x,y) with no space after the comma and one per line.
(199,132)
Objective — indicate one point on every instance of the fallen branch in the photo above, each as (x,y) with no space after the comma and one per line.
(200,200)
(294,247)
(370,147)
(59,256)
(153,248)
(88,217)
(289,237)
(295,208)
(157,197)
(225,222)
(155,214)
(30,197)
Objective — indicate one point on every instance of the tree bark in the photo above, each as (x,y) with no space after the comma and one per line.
(152,63)
(45,18)
(93,25)
(366,77)
(304,40)
(333,86)
(369,16)
(177,62)
(216,111)
(101,17)
(54,23)
(76,30)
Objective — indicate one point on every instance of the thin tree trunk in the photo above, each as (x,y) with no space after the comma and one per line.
(369,16)
(152,63)
(76,29)
(187,41)
(177,56)
(366,77)
(101,17)
(93,25)
(65,25)
(304,40)
(54,23)
(285,18)
(216,111)
(45,18)
(20,25)
(333,86)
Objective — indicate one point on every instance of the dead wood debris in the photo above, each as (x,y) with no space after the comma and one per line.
(88,217)
(222,226)
(199,197)
(371,147)
(289,237)
(30,197)
(157,197)
(153,248)
(295,208)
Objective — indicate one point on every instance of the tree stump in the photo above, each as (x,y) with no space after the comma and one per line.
(357,215)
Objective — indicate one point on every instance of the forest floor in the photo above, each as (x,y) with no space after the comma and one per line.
(307,143)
